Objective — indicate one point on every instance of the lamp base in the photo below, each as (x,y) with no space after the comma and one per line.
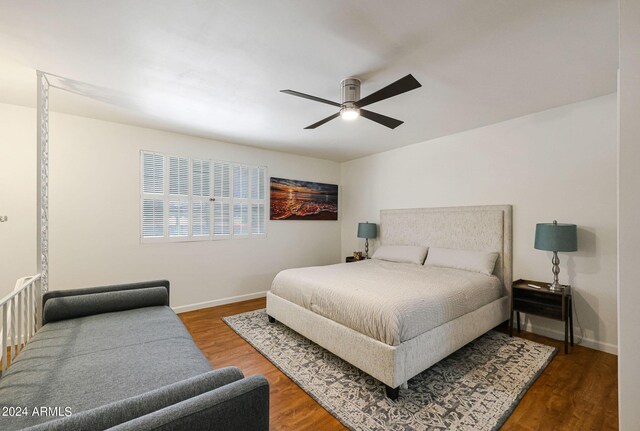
(556,287)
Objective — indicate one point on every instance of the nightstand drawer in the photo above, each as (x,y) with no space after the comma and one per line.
(541,297)
(539,308)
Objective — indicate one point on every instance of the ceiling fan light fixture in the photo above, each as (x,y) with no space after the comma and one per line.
(352,104)
(349,113)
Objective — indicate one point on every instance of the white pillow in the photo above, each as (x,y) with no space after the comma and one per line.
(469,260)
(401,253)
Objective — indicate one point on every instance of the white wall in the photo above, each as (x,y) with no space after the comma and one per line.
(557,164)
(17,194)
(94,212)
(629,216)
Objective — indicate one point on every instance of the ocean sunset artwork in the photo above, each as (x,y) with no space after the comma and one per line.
(303,200)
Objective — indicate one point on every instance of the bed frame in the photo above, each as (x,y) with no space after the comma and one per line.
(472,227)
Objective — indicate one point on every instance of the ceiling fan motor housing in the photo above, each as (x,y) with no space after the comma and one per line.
(350,90)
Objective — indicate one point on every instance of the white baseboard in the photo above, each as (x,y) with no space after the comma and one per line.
(216,302)
(558,335)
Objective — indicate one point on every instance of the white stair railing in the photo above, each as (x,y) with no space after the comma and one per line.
(20,317)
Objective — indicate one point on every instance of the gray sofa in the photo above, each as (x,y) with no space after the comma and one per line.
(118,358)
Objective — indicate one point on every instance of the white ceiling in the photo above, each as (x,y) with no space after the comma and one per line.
(214,68)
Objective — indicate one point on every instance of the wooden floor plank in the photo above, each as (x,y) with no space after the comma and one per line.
(577,391)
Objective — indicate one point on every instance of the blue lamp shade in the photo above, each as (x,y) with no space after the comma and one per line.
(556,237)
(367,230)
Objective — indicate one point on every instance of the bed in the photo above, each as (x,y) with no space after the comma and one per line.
(394,320)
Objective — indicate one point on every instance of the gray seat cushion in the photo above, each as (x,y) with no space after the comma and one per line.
(90,361)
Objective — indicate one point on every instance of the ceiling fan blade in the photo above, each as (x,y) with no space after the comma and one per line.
(391,123)
(402,85)
(321,122)
(308,96)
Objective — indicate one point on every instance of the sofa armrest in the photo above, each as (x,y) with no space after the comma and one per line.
(67,304)
(113,414)
(240,406)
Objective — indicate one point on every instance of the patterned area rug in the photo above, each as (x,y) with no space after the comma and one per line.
(475,388)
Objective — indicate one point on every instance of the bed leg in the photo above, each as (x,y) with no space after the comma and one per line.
(271,319)
(392,393)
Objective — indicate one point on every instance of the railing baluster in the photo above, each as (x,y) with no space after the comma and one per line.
(38,302)
(12,329)
(5,310)
(26,315)
(20,331)
(25,299)
(12,314)
(25,336)
(33,309)
(29,313)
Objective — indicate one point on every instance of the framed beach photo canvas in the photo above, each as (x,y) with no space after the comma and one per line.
(303,200)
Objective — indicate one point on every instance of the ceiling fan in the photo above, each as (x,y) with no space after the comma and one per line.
(351,106)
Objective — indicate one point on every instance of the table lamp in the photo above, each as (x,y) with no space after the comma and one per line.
(556,237)
(367,231)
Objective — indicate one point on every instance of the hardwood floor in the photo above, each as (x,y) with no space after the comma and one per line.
(577,391)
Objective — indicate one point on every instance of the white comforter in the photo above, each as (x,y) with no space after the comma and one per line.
(391,302)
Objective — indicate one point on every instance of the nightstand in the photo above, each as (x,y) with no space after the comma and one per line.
(542,302)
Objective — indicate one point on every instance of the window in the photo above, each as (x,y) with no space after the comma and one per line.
(197,199)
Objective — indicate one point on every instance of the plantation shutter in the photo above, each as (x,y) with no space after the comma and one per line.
(152,195)
(152,218)
(240,218)
(257,219)
(240,199)
(257,182)
(200,195)
(221,180)
(258,200)
(178,176)
(184,198)
(201,178)
(153,173)
(222,199)
(240,182)
(178,221)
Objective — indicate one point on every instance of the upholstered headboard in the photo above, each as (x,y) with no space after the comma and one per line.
(472,228)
